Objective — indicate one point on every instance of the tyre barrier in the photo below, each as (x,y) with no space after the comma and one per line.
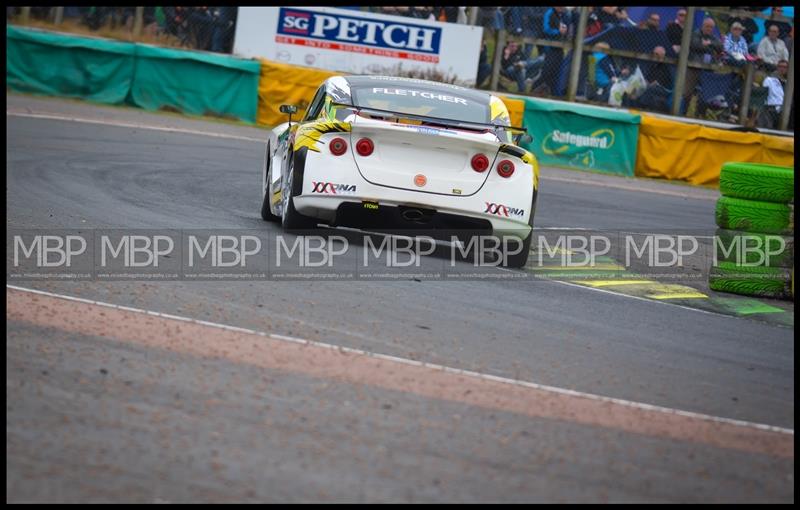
(754,245)
(771,282)
(755,216)
(756,181)
(754,248)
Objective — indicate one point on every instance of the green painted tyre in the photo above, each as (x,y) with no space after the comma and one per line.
(755,216)
(756,181)
(751,281)
(768,250)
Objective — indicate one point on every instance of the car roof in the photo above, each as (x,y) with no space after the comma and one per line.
(399,82)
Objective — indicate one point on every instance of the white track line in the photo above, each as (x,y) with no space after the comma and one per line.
(468,373)
(51,116)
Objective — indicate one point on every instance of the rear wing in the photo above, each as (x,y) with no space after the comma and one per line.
(475,126)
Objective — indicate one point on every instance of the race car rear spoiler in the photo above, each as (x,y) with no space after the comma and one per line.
(477,126)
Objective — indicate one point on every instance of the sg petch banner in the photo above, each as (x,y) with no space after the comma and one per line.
(578,136)
(357,42)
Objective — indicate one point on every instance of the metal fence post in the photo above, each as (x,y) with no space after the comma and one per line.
(498,55)
(25,13)
(788,92)
(58,16)
(138,21)
(683,61)
(577,54)
(473,15)
(744,108)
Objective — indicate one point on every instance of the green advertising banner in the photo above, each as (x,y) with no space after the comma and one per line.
(582,136)
(113,72)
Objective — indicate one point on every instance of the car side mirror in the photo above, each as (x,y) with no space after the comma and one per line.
(289,109)
(524,139)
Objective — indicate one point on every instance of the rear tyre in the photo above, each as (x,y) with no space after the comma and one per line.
(292,220)
(755,181)
(266,212)
(521,258)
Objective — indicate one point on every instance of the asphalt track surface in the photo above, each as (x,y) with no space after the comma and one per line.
(107,414)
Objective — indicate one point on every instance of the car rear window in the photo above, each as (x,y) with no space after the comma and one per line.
(444,104)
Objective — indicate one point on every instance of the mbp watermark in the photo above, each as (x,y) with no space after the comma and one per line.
(342,254)
(59,254)
(49,250)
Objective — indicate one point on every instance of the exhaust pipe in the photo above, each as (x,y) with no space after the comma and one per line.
(412,215)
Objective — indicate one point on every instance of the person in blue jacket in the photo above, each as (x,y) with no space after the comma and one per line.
(555,27)
(605,72)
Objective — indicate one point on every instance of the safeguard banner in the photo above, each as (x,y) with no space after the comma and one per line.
(356,42)
(581,136)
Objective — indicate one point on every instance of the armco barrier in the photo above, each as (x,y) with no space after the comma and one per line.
(118,72)
(582,136)
(695,153)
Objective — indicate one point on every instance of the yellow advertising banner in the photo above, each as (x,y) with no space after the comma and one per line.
(286,84)
(695,153)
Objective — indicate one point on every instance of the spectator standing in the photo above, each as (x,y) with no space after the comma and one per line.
(222,29)
(675,30)
(659,78)
(776,85)
(527,22)
(176,22)
(605,72)
(446,13)
(735,46)
(402,10)
(771,49)
(484,67)
(200,24)
(783,27)
(555,28)
(653,22)
(705,46)
(659,72)
(606,16)
(750,28)
(423,13)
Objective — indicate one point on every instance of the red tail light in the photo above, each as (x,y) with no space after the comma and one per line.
(505,168)
(480,163)
(338,146)
(365,147)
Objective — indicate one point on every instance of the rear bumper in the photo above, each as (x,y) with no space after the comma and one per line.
(334,191)
(407,216)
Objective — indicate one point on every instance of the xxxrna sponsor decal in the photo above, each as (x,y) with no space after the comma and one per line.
(503,210)
(332,188)
(359,35)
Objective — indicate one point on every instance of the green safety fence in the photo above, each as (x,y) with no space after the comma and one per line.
(147,76)
(582,136)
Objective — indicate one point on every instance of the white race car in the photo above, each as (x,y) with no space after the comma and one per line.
(375,151)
